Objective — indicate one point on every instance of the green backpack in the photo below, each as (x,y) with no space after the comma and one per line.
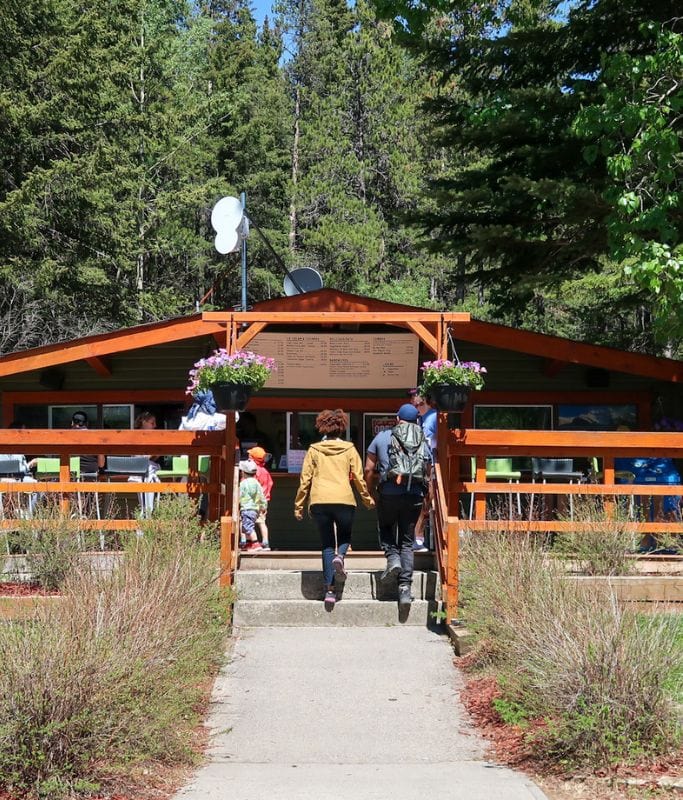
(407,462)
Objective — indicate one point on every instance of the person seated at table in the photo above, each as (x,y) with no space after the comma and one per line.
(146,421)
(90,465)
(24,472)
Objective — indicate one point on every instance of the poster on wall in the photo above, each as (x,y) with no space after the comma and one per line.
(374,423)
(340,360)
(597,417)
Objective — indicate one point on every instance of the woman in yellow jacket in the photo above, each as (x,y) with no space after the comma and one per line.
(330,468)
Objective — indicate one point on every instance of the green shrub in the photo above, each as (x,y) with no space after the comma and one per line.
(605,680)
(111,676)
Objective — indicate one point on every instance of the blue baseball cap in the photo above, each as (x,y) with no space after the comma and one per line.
(407,412)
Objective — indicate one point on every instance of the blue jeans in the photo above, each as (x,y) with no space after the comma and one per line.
(396,518)
(248,521)
(327,516)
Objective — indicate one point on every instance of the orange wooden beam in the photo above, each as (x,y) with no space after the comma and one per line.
(425,336)
(246,336)
(46,440)
(108,344)
(566,443)
(554,347)
(336,317)
(102,366)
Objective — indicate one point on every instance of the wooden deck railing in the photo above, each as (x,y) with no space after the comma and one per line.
(454,490)
(605,446)
(446,544)
(67,443)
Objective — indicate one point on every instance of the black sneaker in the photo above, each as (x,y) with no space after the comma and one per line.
(404,596)
(393,568)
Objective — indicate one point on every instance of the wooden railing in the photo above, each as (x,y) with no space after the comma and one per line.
(454,490)
(445,542)
(67,443)
(230,527)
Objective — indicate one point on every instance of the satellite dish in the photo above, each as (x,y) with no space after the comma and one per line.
(307,278)
(227,214)
(226,241)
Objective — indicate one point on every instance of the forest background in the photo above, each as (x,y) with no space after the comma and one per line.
(517,159)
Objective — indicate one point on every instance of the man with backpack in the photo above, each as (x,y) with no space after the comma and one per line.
(397,464)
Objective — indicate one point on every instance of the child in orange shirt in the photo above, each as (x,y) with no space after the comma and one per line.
(258,456)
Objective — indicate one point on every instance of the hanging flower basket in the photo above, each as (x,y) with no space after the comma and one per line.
(231,377)
(231,396)
(449,397)
(448,384)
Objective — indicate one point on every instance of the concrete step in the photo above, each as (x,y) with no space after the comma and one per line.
(308,585)
(346,613)
(311,560)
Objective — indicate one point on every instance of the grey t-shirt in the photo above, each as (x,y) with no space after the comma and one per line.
(379,447)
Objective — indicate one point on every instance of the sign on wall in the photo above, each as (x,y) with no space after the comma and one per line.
(339,360)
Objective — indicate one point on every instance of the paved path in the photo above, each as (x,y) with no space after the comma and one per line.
(358,713)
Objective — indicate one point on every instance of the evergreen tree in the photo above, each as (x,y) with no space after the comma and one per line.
(522,210)
(357,161)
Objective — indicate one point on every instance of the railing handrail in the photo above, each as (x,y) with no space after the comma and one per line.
(38,441)
(601,444)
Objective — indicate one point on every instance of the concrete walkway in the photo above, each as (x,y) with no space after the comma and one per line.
(358,713)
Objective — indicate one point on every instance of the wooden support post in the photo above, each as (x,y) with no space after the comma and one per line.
(453,497)
(226,551)
(452,534)
(608,478)
(480,498)
(64,477)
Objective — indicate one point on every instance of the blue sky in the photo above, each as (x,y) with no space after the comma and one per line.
(261,9)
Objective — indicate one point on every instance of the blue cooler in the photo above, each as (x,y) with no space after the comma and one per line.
(661,472)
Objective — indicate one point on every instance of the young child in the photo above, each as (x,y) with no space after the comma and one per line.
(258,456)
(252,503)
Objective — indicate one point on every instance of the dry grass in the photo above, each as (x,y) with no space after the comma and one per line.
(110,676)
(605,548)
(603,677)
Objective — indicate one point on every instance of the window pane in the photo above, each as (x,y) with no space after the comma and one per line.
(520,418)
(596,417)
(117,417)
(60,416)
(31,416)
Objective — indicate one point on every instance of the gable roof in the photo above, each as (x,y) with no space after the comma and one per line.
(558,350)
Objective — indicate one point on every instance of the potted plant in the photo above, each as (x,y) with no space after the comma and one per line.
(231,377)
(448,383)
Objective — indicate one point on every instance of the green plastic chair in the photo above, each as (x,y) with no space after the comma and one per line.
(180,467)
(49,467)
(499,469)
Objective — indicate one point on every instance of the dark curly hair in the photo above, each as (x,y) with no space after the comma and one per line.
(332,423)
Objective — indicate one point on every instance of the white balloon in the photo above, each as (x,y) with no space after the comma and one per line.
(227,214)
(226,241)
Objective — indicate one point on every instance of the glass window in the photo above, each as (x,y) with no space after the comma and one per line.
(119,417)
(515,418)
(596,417)
(60,416)
(32,416)
(301,433)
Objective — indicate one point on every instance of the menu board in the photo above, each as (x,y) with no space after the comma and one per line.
(340,360)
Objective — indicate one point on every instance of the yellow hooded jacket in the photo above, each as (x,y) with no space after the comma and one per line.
(326,475)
